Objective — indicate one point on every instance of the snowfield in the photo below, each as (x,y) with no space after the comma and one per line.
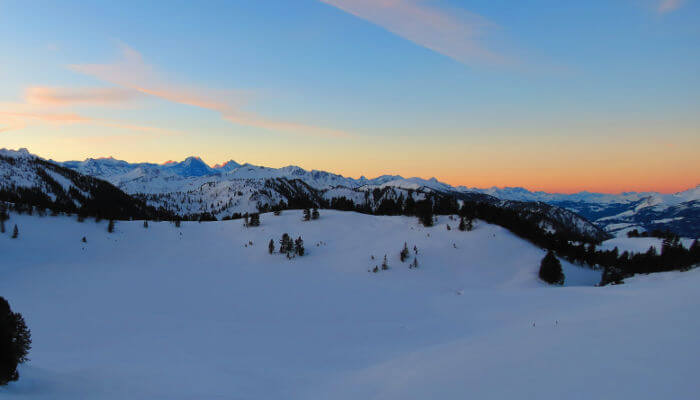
(197,312)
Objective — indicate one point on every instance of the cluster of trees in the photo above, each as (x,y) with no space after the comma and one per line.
(309,215)
(15,342)
(673,256)
(657,233)
(251,220)
(290,248)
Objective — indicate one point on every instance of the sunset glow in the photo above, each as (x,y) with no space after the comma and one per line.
(593,96)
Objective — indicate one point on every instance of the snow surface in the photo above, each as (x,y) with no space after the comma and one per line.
(194,313)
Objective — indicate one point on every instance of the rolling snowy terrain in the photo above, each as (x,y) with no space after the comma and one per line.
(197,312)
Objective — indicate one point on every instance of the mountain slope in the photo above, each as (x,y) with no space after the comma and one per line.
(26,180)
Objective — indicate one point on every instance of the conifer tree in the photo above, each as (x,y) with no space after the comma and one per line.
(15,342)
(2,225)
(307,214)
(84,239)
(286,244)
(550,269)
(271,246)
(254,219)
(385,264)
(177,223)
(299,247)
(462,225)
(15,232)
(246,220)
(315,214)
(110,226)
(376,269)
(414,264)
(404,252)
(145,224)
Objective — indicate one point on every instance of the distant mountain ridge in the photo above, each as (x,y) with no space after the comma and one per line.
(616,213)
(192,187)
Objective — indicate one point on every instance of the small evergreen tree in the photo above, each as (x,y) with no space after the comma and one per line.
(271,246)
(414,264)
(84,239)
(110,226)
(385,264)
(246,220)
(177,223)
(145,224)
(286,244)
(448,227)
(307,214)
(404,252)
(376,269)
(277,212)
(462,225)
(299,246)
(15,232)
(15,342)
(254,219)
(2,225)
(550,269)
(315,214)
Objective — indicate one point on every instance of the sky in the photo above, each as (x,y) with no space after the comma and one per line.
(597,95)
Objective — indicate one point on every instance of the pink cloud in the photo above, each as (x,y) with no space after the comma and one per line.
(131,72)
(455,33)
(56,96)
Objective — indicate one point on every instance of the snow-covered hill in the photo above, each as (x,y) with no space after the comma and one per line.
(200,313)
(27,181)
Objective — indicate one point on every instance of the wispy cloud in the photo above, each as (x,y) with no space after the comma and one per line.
(60,96)
(16,116)
(132,72)
(457,34)
(669,5)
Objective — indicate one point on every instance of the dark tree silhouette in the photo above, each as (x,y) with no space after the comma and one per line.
(15,232)
(307,214)
(385,264)
(15,342)
(145,224)
(299,246)
(110,227)
(404,252)
(271,246)
(550,269)
(315,214)
(254,220)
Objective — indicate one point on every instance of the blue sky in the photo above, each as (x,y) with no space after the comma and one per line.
(562,96)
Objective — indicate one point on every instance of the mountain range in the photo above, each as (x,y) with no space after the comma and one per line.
(193,187)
